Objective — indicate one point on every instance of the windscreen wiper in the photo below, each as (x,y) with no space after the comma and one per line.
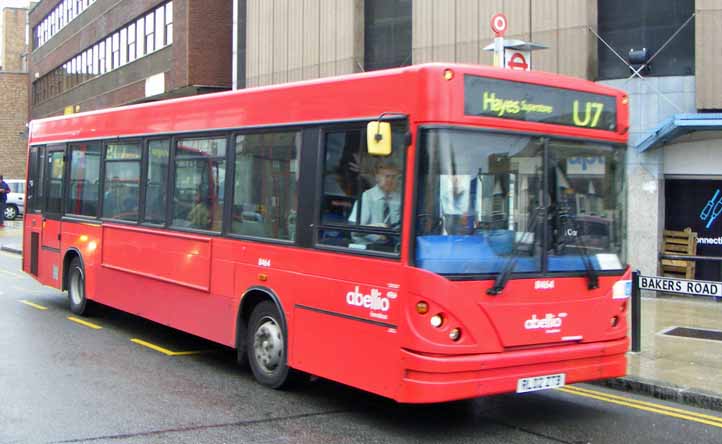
(503,277)
(592,276)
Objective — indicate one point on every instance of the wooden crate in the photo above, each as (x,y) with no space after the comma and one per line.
(680,243)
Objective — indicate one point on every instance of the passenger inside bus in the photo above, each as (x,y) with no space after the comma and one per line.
(200,215)
(381,204)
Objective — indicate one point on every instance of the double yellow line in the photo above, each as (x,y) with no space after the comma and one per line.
(714,421)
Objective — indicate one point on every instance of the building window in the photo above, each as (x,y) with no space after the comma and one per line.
(387,34)
(148,33)
(131,42)
(63,13)
(646,24)
(169,23)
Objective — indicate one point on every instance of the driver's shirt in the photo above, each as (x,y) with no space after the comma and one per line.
(378,208)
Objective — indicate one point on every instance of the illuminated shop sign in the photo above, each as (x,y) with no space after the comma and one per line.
(505,99)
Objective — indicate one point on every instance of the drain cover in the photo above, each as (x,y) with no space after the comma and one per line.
(696,333)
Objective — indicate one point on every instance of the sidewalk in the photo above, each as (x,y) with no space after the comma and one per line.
(680,369)
(11,236)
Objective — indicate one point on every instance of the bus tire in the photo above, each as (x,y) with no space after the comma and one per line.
(267,345)
(79,303)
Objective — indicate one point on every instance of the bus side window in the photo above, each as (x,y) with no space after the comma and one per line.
(200,178)
(344,177)
(156,179)
(265,196)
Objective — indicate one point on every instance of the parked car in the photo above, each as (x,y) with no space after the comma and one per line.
(16,199)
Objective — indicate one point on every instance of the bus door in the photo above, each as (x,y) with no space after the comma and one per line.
(51,225)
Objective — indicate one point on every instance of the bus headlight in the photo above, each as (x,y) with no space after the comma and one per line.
(622,289)
(455,334)
(436,320)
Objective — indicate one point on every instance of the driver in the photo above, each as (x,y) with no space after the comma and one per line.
(381,204)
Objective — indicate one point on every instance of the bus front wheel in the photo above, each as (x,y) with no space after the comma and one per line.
(267,346)
(76,288)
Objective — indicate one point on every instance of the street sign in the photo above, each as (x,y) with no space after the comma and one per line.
(499,24)
(685,286)
(518,60)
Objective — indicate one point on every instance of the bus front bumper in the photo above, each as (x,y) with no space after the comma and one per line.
(437,378)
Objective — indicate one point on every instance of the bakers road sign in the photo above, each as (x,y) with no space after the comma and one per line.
(685,286)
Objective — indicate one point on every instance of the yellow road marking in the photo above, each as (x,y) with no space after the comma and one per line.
(39,307)
(85,323)
(165,351)
(646,406)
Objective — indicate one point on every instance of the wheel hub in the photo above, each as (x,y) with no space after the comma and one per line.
(268,345)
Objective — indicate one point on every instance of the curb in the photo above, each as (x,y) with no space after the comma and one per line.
(11,249)
(665,392)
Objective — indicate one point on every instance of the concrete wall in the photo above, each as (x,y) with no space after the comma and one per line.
(708,56)
(289,40)
(458,30)
(651,101)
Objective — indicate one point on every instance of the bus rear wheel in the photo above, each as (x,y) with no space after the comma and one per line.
(267,346)
(79,304)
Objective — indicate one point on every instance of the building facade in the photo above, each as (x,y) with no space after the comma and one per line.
(14,93)
(91,54)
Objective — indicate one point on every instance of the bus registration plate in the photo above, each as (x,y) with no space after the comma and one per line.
(540,383)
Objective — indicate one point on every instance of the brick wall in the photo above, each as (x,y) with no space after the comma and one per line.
(209,37)
(13,39)
(13,115)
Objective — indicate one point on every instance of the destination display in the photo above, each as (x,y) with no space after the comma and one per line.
(485,97)
(686,286)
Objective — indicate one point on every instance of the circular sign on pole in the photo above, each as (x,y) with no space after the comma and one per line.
(499,24)
(518,61)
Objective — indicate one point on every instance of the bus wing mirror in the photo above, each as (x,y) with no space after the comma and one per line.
(378,138)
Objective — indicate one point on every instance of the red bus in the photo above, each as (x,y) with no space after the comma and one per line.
(422,233)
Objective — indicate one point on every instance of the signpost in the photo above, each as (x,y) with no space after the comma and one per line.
(669,285)
(509,54)
(498,25)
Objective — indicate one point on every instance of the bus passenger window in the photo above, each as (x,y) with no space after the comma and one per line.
(121,190)
(361,203)
(200,178)
(84,179)
(265,196)
(156,179)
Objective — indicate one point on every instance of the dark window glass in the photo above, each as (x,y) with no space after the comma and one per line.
(155,188)
(84,179)
(646,24)
(265,196)
(200,176)
(122,181)
(387,34)
(32,202)
(361,203)
(54,173)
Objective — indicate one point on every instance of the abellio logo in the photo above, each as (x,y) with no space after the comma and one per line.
(548,321)
(373,301)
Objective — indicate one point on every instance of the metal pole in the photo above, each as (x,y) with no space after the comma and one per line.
(636,313)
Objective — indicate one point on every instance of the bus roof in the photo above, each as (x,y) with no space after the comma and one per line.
(420,91)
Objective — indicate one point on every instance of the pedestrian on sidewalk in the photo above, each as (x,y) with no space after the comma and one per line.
(4,190)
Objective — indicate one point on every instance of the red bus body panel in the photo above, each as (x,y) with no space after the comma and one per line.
(196,282)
